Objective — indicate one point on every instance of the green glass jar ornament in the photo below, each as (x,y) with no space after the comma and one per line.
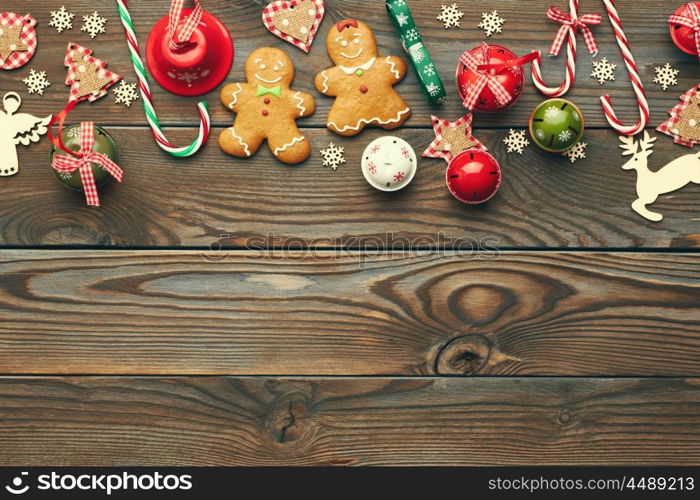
(103,144)
(556,125)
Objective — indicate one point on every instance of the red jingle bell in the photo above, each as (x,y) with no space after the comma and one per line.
(195,67)
(473,176)
(511,78)
(683,32)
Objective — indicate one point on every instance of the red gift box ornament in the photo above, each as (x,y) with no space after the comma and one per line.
(83,161)
(490,77)
(189,51)
(685,28)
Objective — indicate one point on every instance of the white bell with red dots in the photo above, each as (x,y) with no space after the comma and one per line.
(389,163)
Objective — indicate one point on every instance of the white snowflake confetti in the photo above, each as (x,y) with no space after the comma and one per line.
(578,152)
(126,93)
(450,16)
(565,135)
(333,156)
(603,71)
(94,24)
(516,141)
(61,19)
(36,82)
(666,76)
(491,22)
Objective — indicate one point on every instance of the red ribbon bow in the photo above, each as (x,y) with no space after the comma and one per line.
(691,19)
(487,75)
(180,33)
(69,164)
(570,24)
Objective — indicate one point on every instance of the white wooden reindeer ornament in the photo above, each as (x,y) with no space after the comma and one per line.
(15,129)
(650,185)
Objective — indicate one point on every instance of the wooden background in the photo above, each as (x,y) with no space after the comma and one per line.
(148,332)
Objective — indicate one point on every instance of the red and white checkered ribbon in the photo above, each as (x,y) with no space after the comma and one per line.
(83,163)
(570,23)
(181,32)
(571,31)
(486,78)
(690,19)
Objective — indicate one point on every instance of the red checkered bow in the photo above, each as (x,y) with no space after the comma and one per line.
(572,23)
(69,164)
(180,33)
(691,19)
(486,78)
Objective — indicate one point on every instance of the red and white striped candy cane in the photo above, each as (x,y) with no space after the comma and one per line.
(637,84)
(571,23)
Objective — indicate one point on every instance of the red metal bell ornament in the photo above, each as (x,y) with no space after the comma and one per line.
(683,29)
(510,78)
(473,176)
(196,66)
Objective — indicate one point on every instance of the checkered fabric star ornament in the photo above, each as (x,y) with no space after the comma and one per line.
(452,138)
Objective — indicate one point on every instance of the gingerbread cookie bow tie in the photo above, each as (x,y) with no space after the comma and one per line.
(689,19)
(83,162)
(275,91)
(569,23)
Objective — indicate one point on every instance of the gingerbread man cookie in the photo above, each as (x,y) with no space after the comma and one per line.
(266,108)
(362,81)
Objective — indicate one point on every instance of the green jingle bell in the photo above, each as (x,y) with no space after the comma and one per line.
(103,144)
(556,125)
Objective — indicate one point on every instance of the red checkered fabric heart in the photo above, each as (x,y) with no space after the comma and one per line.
(276,10)
(18,59)
(76,51)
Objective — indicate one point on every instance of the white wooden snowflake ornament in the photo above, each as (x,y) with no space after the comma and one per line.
(491,22)
(578,152)
(603,71)
(450,16)
(94,24)
(61,19)
(516,141)
(126,93)
(666,76)
(36,82)
(333,156)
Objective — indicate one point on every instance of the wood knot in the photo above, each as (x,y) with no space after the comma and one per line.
(290,421)
(565,418)
(465,355)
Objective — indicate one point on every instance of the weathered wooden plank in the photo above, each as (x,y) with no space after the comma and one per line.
(230,421)
(83,312)
(544,202)
(526,29)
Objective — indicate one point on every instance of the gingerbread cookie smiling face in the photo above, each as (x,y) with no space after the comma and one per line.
(267,109)
(362,81)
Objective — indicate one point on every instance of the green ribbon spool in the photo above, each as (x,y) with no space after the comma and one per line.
(430,81)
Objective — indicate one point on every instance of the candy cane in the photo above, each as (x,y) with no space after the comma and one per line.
(156,129)
(570,64)
(634,78)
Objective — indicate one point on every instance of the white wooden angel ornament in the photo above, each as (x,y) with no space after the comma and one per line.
(16,129)
(650,185)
